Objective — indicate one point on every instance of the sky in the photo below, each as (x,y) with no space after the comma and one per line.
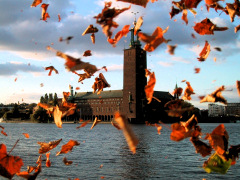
(24,38)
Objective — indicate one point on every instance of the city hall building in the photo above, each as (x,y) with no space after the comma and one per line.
(131,100)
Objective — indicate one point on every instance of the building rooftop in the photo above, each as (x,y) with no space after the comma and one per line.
(116,94)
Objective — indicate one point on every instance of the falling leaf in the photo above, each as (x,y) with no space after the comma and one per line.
(93,38)
(59,18)
(115,125)
(207,27)
(236,29)
(177,92)
(51,68)
(218,48)
(90,30)
(175,108)
(15,79)
(36,2)
(153,41)
(95,122)
(57,114)
(48,162)
(201,147)
(138,25)
(66,162)
(205,52)
(45,147)
(197,70)
(193,36)
(26,135)
(9,165)
(183,130)
(105,18)
(45,15)
(142,3)
(68,147)
(188,92)
(238,87)
(129,135)
(41,84)
(73,64)
(87,53)
(119,35)
(184,16)
(149,88)
(216,96)
(4,133)
(83,124)
(99,84)
(218,139)
(171,49)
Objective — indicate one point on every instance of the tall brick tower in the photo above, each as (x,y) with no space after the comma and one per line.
(134,80)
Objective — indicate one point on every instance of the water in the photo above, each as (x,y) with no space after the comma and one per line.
(157,157)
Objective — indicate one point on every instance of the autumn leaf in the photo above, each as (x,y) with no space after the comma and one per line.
(115,125)
(45,15)
(138,25)
(68,147)
(201,147)
(175,108)
(9,165)
(4,133)
(188,92)
(66,162)
(26,135)
(216,96)
(90,30)
(218,139)
(51,68)
(99,84)
(207,27)
(149,88)
(171,49)
(119,35)
(205,52)
(154,40)
(48,162)
(57,114)
(95,122)
(83,124)
(105,18)
(177,92)
(45,147)
(238,87)
(87,53)
(197,70)
(142,3)
(59,18)
(36,2)
(129,135)
(184,16)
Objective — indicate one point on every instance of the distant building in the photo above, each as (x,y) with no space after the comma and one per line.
(232,109)
(215,110)
(131,100)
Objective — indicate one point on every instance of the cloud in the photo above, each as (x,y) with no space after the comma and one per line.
(115,67)
(165,64)
(9,69)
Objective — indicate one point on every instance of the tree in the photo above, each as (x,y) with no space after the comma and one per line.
(55,99)
(42,99)
(15,111)
(46,98)
(50,99)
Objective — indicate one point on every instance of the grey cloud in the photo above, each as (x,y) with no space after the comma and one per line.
(9,69)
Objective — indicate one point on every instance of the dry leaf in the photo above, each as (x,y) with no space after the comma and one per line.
(127,131)
(149,88)
(45,147)
(68,147)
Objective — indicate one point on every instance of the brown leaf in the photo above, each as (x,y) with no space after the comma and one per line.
(188,92)
(142,3)
(153,41)
(119,35)
(216,96)
(66,162)
(45,147)
(207,27)
(95,122)
(149,88)
(51,68)
(99,84)
(45,15)
(201,147)
(68,147)
(36,2)
(238,87)
(9,165)
(205,52)
(129,135)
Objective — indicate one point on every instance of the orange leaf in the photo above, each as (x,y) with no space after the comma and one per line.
(45,147)
(51,68)
(188,92)
(68,147)
(48,162)
(205,52)
(130,137)
(149,88)
(9,165)
(238,87)
(36,2)
(26,135)
(83,124)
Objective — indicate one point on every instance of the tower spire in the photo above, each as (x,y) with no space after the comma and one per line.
(134,43)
